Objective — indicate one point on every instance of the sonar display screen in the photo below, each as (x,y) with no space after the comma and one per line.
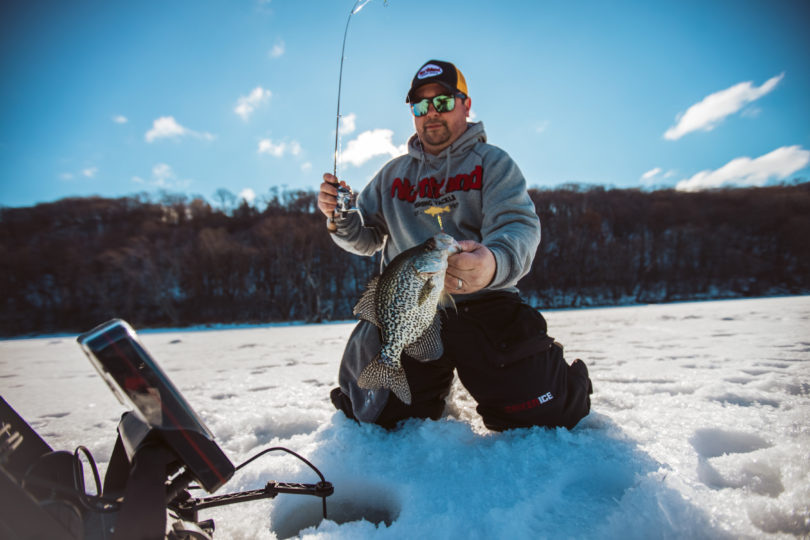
(139,383)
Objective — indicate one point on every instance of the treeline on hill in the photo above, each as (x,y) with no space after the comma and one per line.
(74,263)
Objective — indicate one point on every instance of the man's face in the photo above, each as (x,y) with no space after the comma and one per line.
(437,130)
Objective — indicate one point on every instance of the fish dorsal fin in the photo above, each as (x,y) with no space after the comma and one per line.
(366,306)
(429,346)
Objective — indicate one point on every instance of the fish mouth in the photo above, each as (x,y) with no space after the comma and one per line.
(445,242)
(434,259)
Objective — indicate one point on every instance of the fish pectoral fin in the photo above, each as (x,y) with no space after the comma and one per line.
(446,300)
(429,346)
(424,293)
(378,375)
(366,307)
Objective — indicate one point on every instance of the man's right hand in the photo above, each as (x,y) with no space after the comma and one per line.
(327,198)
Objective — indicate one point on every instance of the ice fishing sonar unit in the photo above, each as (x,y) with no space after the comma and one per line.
(163,452)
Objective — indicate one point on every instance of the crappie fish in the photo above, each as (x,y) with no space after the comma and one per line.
(402,302)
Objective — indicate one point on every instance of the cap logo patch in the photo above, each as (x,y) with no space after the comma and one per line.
(430,70)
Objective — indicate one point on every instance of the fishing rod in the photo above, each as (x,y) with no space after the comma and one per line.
(358,5)
(344,195)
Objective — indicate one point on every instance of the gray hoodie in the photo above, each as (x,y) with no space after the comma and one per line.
(476,190)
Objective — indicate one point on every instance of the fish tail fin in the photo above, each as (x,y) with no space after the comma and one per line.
(379,375)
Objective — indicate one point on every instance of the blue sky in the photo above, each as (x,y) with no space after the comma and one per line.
(113,98)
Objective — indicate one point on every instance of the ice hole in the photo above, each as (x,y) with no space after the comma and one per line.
(347,504)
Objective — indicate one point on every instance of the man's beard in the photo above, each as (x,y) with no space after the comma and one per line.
(436,137)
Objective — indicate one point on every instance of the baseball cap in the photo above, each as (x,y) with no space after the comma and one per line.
(438,71)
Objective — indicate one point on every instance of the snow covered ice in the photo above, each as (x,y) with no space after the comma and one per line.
(699,428)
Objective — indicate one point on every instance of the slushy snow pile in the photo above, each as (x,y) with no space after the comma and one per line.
(700,428)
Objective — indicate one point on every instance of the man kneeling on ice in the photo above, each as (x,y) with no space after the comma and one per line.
(453,213)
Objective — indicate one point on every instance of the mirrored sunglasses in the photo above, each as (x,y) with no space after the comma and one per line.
(442,103)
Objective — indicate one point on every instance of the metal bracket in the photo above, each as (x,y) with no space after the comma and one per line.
(188,509)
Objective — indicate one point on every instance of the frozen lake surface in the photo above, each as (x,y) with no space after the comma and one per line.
(699,428)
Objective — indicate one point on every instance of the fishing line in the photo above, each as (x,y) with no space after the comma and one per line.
(358,5)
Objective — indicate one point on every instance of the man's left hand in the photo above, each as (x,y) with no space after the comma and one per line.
(471,270)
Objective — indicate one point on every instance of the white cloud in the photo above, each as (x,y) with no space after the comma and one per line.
(120,119)
(279,149)
(164,177)
(369,144)
(89,172)
(656,175)
(711,110)
(245,105)
(652,173)
(248,195)
(162,173)
(166,127)
(266,146)
(744,171)
(348,123)
(306,166)
(542,127)
(277,50)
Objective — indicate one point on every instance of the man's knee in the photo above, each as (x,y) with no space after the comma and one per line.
(394,411)
(429,383)
(560,395)
(342,403)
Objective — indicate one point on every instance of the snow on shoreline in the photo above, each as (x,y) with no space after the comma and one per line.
(700,427)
